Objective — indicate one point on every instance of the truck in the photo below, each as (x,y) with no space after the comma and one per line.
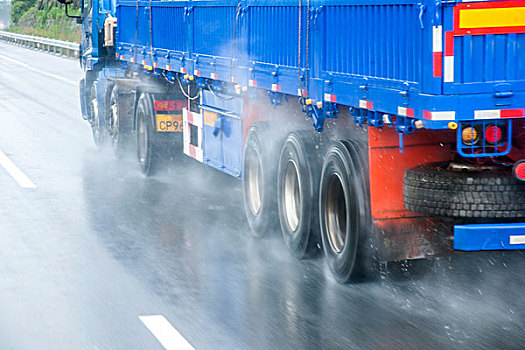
(383,130)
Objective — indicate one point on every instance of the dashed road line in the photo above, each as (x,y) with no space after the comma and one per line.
(165,333)
(27,66)
(15,172)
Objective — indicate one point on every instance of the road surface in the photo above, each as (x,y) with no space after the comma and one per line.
(89,249)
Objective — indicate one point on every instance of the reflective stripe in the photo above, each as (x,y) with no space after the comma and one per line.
(330,98)
(488,114)
(448,115)
(499,113)
(437,39)
(517,239)
(366,104)
(190,118)
(406,112)
(449,69)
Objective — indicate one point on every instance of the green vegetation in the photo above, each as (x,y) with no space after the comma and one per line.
(45,18)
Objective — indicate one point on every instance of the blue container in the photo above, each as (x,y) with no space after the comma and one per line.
(385,56)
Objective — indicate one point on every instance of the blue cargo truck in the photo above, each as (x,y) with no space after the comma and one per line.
(380,130)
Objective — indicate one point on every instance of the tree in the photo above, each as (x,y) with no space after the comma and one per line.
(19,7)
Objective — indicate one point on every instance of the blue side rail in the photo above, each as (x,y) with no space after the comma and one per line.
(489,237)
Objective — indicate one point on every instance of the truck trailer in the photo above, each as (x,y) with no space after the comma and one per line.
(381,130)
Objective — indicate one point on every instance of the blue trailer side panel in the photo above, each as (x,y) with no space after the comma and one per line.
(382,56)
(170,34)
(386,44)
(214,30)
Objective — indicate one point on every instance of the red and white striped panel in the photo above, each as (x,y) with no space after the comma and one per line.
(234,80)
(144,63)
(155,65)
(405,112)
(182,70)
(437,51)
(439,116)
(252,83)
(366,104)
(302,92)
(132,59)
(499,113)
(168,67)
(449,57)
(276,87)
(117,55)
(190,118)
(214,75)
(197,72)
(330,98)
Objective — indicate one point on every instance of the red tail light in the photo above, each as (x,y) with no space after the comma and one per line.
(164,106)
(493,134)
(519,170)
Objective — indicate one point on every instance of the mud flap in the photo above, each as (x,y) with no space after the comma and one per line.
(192,134)
(83,106)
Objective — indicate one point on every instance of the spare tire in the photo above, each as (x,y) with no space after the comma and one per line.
(435,190)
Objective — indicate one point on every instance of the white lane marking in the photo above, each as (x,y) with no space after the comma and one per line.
(165,333)
(15,172)
(517,239)
(27,66)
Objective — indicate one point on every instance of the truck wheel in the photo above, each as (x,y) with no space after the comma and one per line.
(297,192)
(120,139)
(435,190)
(344,212)
(98,128)
(147,149)
(259,178)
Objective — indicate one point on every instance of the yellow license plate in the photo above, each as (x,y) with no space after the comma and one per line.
(169,122)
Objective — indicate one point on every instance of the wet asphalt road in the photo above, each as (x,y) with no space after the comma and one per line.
(95,245)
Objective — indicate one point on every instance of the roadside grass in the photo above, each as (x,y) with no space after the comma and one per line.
(50,22)
(52,33)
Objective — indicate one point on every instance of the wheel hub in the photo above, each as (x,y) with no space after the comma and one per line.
(292,195)
(142,139)
(336,214)
(254,183)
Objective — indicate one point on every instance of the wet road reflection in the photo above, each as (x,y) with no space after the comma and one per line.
(184,234)
(96,245)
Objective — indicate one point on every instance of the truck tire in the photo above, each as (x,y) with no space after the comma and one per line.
(259,179)
(298,192)
(344,212)
(148,152)
(120,139)
(98,128)
(434,190)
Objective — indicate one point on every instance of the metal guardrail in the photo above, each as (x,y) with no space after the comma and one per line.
(61,47)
